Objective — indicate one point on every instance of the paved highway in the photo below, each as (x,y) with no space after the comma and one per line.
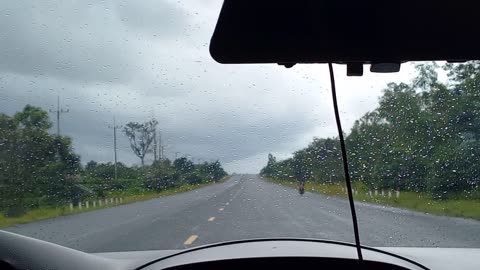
(245,206)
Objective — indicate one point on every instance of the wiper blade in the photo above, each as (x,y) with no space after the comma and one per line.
(345,163)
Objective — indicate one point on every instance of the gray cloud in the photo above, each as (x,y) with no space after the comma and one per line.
(80,40)
(156,18)
(141,59)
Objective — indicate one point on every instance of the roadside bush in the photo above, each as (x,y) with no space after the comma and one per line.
(194,178)
(162,181)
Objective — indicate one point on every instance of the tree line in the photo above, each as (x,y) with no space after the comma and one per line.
(423,137)
(39,169)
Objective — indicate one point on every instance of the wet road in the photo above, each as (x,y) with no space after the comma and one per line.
(243,207)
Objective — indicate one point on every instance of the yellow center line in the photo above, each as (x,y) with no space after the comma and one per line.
(190,240)
(211,219)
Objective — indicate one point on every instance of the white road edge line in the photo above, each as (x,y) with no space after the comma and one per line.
(211,219)
(190,240)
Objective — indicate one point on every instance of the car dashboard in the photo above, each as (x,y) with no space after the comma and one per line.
(21,252)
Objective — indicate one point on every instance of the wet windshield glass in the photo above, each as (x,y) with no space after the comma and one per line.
(119,132)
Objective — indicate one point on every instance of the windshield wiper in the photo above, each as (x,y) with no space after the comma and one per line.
(345,163)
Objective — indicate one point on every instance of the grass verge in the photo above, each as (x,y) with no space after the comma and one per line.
(467,208)
(128,196)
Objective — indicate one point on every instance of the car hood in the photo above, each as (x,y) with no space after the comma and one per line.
(29,253)
(433,258)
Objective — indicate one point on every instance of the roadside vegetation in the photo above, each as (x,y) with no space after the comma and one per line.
(47,212)
(41,175)
(423,139)
(421,202)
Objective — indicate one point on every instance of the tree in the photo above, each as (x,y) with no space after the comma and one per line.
(91,165)
(368,143)
(215,171)
(183,165)
(423,136)
(141,137)
(325,161)
(106,171)
(34,165)
(270,169)
(164,162)
(160,178)
(60,177)
(33,118)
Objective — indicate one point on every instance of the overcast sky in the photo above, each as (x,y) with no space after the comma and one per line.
(135,60)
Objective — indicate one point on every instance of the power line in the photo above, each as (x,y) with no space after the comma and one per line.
(58,111)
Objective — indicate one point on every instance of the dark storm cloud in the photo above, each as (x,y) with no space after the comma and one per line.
(135,60)
(80,40)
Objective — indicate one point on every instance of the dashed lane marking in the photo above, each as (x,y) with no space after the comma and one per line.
(221,209)
(211,219)
(190,240)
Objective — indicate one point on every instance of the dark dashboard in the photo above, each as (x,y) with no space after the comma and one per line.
(21,252)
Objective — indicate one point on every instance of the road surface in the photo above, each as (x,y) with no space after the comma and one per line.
(245,206)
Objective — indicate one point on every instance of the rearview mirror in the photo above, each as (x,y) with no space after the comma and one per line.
(349,31)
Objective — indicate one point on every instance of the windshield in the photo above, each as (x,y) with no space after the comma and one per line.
(119,132)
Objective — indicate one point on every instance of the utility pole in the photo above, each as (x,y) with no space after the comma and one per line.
(155,146)
(160,147)
(58,111)
(115,126)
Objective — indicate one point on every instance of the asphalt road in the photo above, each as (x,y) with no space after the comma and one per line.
(243,207)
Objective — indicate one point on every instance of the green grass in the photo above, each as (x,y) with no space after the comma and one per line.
(468,208)
(128,196)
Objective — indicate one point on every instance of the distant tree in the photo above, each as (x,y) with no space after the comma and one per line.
(33,118)
(165,162)
(183,165)
(60,176)
(194,178)
(141,137)
(106,171)
(91,165)
(270,169)
(215,171)
(158,177)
